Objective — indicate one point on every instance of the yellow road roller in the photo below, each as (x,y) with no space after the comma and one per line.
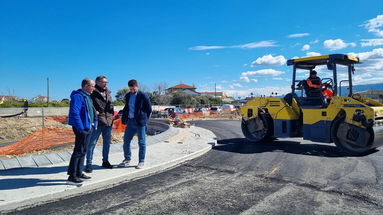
(354,123)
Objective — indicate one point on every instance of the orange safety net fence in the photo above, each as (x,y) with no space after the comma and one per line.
(191,115)
(41,139)
(46,138)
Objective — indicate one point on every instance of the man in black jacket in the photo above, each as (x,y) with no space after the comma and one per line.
(102,102)
(135,116)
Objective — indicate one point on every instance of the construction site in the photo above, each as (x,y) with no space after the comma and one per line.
(21,135)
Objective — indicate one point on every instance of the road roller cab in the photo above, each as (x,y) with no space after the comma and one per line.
(352,122)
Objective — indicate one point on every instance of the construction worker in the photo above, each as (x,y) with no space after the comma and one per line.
(315,83)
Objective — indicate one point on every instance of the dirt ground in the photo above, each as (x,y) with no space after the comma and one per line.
(16,129)
(234,115)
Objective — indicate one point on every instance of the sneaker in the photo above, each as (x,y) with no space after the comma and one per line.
(125,163)
(107,165)
(83,176)
(74,179)
(88,168)
(140,165)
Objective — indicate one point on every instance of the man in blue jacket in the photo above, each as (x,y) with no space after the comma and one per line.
(135,116)
(83,119)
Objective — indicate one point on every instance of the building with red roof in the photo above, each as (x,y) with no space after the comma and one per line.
(191,90)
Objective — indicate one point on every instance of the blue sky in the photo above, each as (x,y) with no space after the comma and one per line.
(239,45)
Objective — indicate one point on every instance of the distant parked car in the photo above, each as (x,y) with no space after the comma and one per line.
(215,109)
(170,110)
(237,107)
(174,112)
(159,114)
(227,107)
(202,110)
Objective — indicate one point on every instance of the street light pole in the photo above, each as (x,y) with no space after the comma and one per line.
(215,90)
(47,92)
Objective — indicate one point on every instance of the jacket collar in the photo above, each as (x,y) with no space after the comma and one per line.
(99,89)
(84,92)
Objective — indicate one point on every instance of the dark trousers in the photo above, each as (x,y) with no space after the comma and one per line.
(78,156)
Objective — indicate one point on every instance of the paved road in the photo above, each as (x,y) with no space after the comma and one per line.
(287,176)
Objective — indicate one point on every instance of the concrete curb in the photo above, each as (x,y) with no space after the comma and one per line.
(111,181)
(45,160)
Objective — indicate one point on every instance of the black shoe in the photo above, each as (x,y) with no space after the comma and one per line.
(88,168)
(107,165)
(74,179)
(83,176)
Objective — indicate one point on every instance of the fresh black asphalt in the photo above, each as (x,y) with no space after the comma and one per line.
(286,176)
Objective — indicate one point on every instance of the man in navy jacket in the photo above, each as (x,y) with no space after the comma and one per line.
(83,119)
(135,116)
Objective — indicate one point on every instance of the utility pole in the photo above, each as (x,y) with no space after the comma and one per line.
(47,92)
(215,90)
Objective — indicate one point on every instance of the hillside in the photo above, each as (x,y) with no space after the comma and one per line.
(358,88)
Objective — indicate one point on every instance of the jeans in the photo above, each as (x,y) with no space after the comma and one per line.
(78,156)
(106,140)
(131,129)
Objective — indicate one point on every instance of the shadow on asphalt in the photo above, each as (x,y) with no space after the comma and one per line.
(243,146)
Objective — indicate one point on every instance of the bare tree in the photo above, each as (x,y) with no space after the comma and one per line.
(160,87)
(145,88)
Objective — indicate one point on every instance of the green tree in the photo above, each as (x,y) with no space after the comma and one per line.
(215,101)
(158,99)
(202,100)
(183,99)
(120,95)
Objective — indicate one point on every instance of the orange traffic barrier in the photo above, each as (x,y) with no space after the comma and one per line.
(117,124)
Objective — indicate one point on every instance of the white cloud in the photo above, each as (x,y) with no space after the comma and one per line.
(371,42)
(311,54)
(298,35)
(336,44)
(236,85)
(269,60)
(375,25)
(305,47)
(296,44)
(259,91)
(314,42)
(368,81)
(253,45)
(224,81)
(375,53)
(247,79)
(262,72)
(371,69)
(199,48)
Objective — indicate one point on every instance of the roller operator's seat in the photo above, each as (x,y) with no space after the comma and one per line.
(313,96)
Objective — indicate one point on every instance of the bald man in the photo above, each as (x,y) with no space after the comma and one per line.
(83,119)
